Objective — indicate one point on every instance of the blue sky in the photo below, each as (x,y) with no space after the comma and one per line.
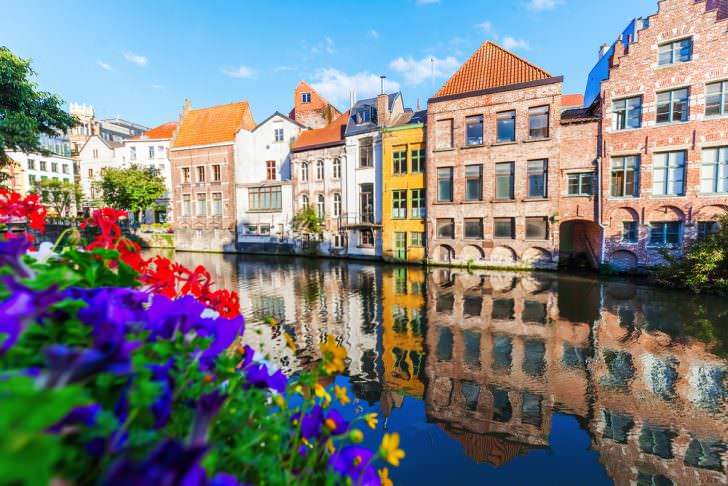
(141,60)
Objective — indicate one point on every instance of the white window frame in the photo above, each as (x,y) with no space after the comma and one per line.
(669,169)
(714,170)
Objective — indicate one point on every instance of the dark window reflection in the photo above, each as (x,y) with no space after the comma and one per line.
(443,351)
(472,305)
(502,410)
(502,349)
(534,312)
(620,369)
(616,426)
(705,454)
(574,357)
(533,361)
(656,441)
(503,309)
(470,392)
(472,348)
(531,409)
(445,302)
(649,479)
(400,362)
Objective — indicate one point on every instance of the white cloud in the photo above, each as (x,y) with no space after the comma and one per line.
(427,2)
(488,28)
(539,5)
(136,58)
(104,65)
(374,34)
(418,71)
(239,72)
(336,85)
(513,44)
(327,46)
(278,69)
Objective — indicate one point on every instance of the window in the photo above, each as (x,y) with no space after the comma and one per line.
(132,153)
(339,240)
(31,179)
(337,205)
(443,134)
(305,98)
(538,122)
(668,174)
(65,169)
(675,52)
(537,178)
(278,134)
(320,206)
(629,231)
(716,99)
(417,239)
(31,164)
(160,151)
(362,116)
(625,176)
(151,151)
(200,173)
(417,198)
(366,238)
(304,201)
(627,113)
(399,160)
(504,228)
(186,205)
(90,173)
(473,228)
(506,126)
(504,180)
(264,229)
(474,130)
(579,184)
(319,170)
(366,153)
(665,233)
(537,228)
(216,173)
(418,160)
(201,205)
(707,228)
(446,228)
(672,106)
(337,169)
(54,166)
(266,198)
(95,154)
(474,182)
(366,202)
(216,204)
(444,184)
(185,175)
(399,204)
(304,172)
(714,170)
(43,165)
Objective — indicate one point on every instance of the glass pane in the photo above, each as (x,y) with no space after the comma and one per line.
(506,126)
(663,107)
(685,50)
(665,55)
(680,105)
(474,130)
(572,184)
(503,228)
(536,228)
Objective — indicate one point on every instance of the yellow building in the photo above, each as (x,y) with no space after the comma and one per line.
(403,179)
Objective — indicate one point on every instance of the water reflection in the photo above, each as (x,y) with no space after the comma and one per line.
(498,361)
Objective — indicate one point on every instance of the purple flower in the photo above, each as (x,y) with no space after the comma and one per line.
(83,415)
(23,307)
(111,309)
(311,423)
(11,254)
(336,423)
(207,407)
(278,381)
(225,479)
(68,365)
(256,375)
(167,317)
(353,462)
(162,407)
(225,332)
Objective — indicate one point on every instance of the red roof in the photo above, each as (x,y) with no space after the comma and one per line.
(332,133)
(572,101)
(491,66)
(163,131)
(215,124)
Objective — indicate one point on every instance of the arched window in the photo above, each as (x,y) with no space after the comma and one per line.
(320,206)
(320,170)
(337,205)
(337,168)
(304,201)
(304,172)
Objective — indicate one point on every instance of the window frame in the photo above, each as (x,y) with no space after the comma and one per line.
(579,183)
(320,170)
(216,173)
(399,204)
(366,147)
(478,221)
(200,173)
(636,176)
(532,115)
(417,164)
(478,178)
(399,160)
(336,172)
(186,175)
(719,165)
(474,121)
(416,239)
(498,120)
(440,179)
(439,222)
(665,233)
(675,47)
(512,228)
(337,204)
(669,171)
(203,200)
(306,97)
(257,196)
(722,98)
(511,175)
(542,173)
(216,197)
(623,114)
(546,234)
(418,212)
(625,233)
(671,104)
(186,205)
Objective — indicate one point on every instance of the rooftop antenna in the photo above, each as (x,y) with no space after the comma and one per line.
(432,73)
(381,81)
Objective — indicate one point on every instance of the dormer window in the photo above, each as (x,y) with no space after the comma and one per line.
(305,98)
(362,116)
(675,52)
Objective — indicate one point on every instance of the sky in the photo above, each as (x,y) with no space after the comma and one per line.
(141,60)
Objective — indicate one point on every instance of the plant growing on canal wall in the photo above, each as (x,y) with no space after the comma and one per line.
(119,370)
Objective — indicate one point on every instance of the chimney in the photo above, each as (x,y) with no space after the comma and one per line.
(603,50)
(382,105)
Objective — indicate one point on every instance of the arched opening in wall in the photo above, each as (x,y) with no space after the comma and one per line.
(623,260)
(444,254)
(502,255)
(579,244)
(536,257)
(706,220)
(472,252)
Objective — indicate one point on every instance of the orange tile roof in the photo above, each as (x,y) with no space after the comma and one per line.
(165,130)
(334,132)
(215,124)
(491,66)
(572,100)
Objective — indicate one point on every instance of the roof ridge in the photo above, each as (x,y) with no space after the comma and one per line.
(220,105)
(518,57)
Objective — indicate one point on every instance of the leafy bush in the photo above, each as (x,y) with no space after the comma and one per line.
(119,370)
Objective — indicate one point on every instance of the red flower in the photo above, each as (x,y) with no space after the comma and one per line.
(14,207)
(107,220)
(226,303)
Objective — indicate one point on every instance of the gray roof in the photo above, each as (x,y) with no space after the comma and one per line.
(370,105)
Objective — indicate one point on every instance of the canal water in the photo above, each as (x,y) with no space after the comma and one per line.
(495,377)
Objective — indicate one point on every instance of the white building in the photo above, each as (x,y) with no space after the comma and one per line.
(263,186)
(36,167)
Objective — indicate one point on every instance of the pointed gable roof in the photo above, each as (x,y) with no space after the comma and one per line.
(328,136)
(163,131)
(215,124)
(491,66)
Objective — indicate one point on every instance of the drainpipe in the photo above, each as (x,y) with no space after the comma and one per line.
(599,211)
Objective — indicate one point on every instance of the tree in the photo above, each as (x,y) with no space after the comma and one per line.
(306,221)
(58,195)
(134,188)
(25,112)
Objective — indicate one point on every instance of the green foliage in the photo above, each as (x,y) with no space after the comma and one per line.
(58,195)
(134,188)
(25,112)
(307,221)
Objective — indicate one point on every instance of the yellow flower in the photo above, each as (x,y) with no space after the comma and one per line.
(355,436)
(384,477)
(340,393)
(289,341)
(279,401)
(371,420)
(330,446)
(321,392)
(298,389)
(334,356)
(389,449)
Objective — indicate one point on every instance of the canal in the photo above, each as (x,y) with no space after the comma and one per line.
(506,378)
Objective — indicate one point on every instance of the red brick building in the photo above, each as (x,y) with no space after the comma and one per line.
(664,133)
(310,108)
(202,156)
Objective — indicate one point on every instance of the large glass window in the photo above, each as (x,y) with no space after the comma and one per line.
(337,205)
(201,173)
(506,126)
(337,169)
(474,182)
(270,171)
(446,228)
(537,228)
(399,160)
(625,176)
(186,175)
(714,170)
(319,170)
(629,231)
(417,198)
(716,98)
(538,122)
(399,204)
(201,204)
(366,202)
(675,52)
(474,130)
(537,178)
(366,153)
(672,106)
(304,172)
(668,174)
(320,206)
(418,160)
(665,233)
(627,113)
(266,198)
(444,184)
(504,228)
(504,180)
(216,204)
(707,228)
(217,175)
(186,205)
(417,239)
(579,184)
(473,228)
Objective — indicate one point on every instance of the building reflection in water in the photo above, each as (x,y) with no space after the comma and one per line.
(494,355)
